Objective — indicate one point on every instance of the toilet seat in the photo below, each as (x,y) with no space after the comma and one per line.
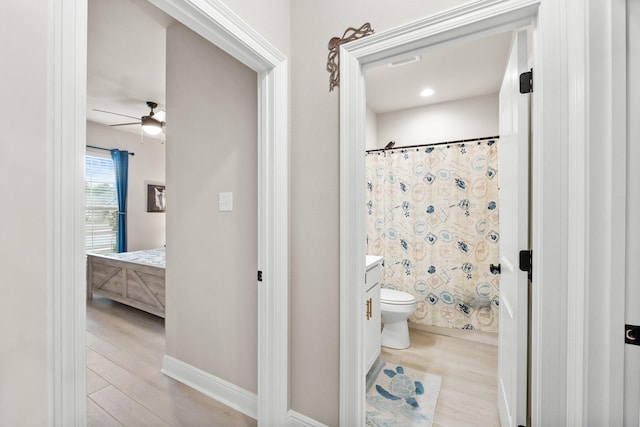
(393,297)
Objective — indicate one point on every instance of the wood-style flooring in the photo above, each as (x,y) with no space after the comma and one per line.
(468,396)
(125,387)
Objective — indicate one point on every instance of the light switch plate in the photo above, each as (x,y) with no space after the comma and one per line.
(225,202)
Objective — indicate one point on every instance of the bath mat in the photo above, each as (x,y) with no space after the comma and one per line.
(400,396)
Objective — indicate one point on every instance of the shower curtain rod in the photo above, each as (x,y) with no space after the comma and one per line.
(106,149)
(460,141)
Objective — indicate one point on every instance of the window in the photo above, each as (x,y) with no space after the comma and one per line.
(101,198)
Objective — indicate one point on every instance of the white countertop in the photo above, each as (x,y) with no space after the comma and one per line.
(372,261)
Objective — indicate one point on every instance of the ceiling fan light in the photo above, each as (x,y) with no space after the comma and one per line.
(151,126)
(151,130)
(160,116)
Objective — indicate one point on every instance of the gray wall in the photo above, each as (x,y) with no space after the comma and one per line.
(371,131)
(302,35)
(146,230)
(271,19)
(24,251)
(314,219)
(211,255)
(468,118)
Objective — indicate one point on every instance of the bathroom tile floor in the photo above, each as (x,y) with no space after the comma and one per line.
(469,376)
(125,387)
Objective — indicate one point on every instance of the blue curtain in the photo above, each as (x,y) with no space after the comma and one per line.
(121,166)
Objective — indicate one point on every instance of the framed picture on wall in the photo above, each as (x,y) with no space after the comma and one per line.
(155,198)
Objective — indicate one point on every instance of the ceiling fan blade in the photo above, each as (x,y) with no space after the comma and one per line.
(126,124)
(117,114)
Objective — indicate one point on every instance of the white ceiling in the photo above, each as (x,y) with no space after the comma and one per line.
(126,60)
(127,66)
(456,71)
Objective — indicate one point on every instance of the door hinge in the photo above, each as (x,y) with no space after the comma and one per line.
(632,334)
(526,82)
(526,262)
(259,276)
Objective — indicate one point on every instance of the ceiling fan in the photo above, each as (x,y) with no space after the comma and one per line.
(152,124)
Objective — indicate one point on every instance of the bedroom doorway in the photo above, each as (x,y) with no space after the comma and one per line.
(220,27)
(209,247)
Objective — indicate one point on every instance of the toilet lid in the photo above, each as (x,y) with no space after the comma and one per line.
(391,296)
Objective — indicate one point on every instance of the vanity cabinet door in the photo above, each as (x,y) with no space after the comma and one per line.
(372,326)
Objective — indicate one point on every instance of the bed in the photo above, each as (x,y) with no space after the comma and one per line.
(132,278)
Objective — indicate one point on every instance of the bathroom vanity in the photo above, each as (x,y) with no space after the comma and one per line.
(372,319)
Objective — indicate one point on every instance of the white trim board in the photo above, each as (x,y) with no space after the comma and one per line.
(296,419)
(489,338)
(563,232)
(223,391)
(67,293)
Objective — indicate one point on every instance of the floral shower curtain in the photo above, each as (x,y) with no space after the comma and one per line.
(432,213)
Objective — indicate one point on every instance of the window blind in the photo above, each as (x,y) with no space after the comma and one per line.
(101,199)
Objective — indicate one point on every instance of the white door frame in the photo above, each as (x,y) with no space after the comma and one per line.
(67,291)
(606,169)
(565,352)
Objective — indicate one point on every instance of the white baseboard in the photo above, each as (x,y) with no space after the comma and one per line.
(465,334)
(214,387)
(296,419)
(225,392)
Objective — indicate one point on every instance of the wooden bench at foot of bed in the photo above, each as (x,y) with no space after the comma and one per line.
(137,285)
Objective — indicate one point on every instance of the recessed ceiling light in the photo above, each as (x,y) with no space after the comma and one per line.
(427,92)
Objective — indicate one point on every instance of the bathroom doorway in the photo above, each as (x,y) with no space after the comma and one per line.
(356,128)
(432,170)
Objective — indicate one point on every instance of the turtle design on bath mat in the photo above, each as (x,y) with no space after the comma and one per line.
(401,387)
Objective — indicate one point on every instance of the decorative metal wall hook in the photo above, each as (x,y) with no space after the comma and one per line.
(333,61)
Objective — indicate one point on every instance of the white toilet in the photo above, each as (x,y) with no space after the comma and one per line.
(395,308)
